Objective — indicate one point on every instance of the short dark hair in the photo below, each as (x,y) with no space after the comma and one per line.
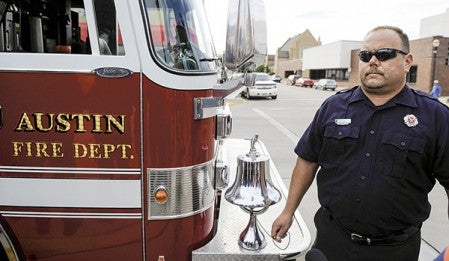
(404,37)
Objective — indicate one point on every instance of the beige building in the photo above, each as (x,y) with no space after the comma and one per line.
(306,56)
(288,58)
(428,63)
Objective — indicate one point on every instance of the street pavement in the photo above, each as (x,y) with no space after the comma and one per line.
(444,99)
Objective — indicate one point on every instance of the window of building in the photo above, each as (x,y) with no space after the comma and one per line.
(336,74)
(317,74)
(447,56)
(412,74)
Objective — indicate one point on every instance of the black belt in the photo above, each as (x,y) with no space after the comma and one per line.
(368,240)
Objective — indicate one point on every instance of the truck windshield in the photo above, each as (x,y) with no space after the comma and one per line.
(180,35)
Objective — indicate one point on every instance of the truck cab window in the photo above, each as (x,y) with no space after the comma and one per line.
(51,26)
(109,37)
(179,39)
(57,26)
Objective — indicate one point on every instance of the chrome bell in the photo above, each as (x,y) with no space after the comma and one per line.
(253,192)
(252,187)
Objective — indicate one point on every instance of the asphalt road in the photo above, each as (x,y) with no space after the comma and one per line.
(280,123)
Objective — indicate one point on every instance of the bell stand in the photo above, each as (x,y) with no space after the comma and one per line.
(252,238)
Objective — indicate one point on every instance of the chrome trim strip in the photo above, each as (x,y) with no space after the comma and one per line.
(190,190)
(81,193)
(30,214)
(69,170)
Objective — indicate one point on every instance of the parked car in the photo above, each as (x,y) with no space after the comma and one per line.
(304,82)
(263,87)
(325,84)
(291,79)
(276,78)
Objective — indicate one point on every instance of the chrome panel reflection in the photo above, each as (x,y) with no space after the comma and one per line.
(206,107)
(246,33)
(224,123)
(221,178)
(190,189)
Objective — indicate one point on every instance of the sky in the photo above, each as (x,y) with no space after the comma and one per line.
(329,20)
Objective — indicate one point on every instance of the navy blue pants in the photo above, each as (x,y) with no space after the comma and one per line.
(336,244)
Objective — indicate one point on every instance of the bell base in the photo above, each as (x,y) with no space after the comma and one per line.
(251,237)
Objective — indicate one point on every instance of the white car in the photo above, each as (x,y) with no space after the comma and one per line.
(264,86)
(325,84)
(291,79)
(276,78)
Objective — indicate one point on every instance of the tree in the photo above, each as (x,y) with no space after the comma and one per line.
(263,68)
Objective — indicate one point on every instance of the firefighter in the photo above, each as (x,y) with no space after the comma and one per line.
(379,148)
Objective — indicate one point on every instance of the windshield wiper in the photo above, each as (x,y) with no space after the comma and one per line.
(210,59)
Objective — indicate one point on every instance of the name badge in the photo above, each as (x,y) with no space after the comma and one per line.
(342,121)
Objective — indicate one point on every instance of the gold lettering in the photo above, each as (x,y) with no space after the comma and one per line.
(101,151)
(63,124)
(38,118)
(41,149)
(57,150)
(97,123)
(94,154)
(17,148)
(120,126)
(108,149)
(29,153)
(80,121)
(24,123)
(79,147)
(124,152)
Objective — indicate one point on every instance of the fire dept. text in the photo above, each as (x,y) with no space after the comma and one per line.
(56,150)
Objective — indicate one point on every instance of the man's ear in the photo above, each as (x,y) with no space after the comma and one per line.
(408,61)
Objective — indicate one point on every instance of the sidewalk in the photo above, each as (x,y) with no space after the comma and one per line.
(444,99)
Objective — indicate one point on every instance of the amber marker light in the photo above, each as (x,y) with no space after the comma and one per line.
(161,195)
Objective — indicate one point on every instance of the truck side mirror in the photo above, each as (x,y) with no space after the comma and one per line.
(246,39)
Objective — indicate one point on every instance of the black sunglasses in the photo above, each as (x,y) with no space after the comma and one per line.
(382,54)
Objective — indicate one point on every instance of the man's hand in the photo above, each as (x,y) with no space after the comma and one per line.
(280,226)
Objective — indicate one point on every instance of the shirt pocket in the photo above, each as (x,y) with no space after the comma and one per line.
(338,142)
(394,151)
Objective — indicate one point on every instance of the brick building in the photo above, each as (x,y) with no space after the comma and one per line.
(305,55)
(421,74)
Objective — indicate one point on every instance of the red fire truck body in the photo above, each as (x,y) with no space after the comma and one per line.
(108,152)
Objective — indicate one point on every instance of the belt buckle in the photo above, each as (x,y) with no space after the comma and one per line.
(360,239)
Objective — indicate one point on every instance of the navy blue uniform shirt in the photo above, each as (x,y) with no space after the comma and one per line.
(378,164)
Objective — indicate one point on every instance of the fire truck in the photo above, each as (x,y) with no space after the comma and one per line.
(114,132)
